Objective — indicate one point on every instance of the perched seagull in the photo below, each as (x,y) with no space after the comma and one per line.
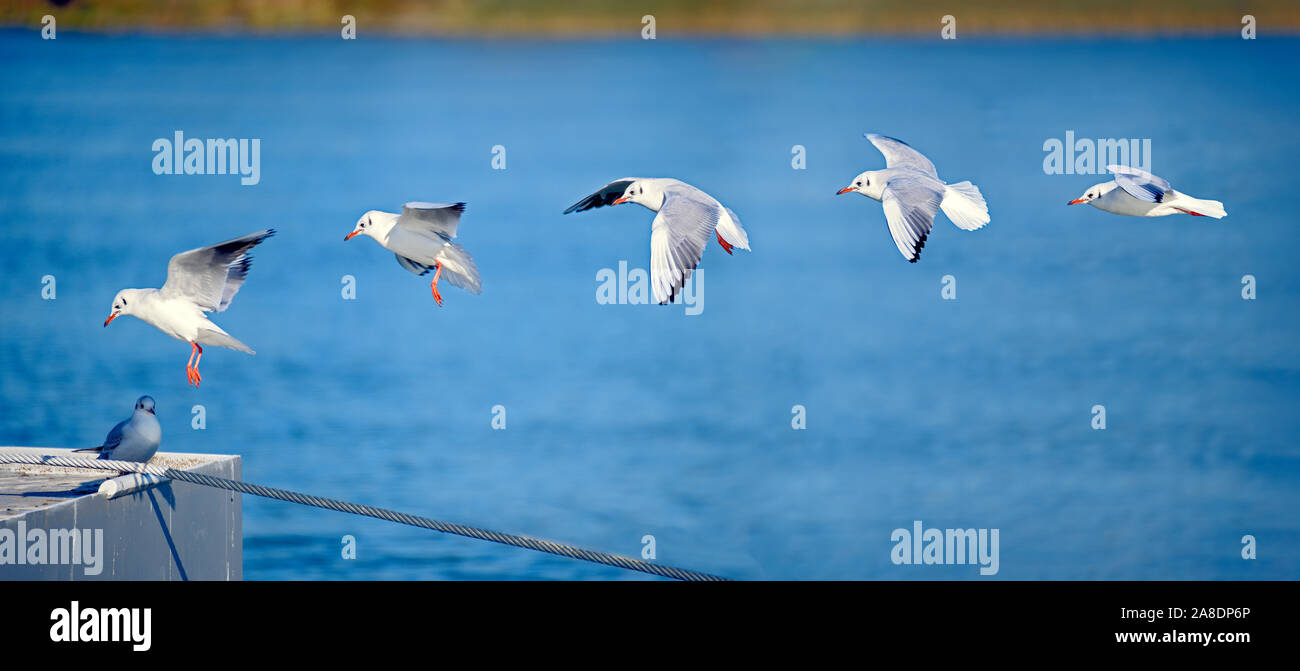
(911,193)
(680,231)
(135,438)
(198,281)
(1142,194)
(421,237)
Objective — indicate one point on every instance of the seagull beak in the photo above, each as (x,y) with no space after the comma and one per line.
(620,201)
(349,236)
(111,318)
(1076,201)
(843,191)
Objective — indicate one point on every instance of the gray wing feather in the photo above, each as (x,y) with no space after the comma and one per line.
(678,236)
(440,218)
(606,195)
(910,205)
(899,154)
(112,440)
(1140,184)
(211,276)
(417,268)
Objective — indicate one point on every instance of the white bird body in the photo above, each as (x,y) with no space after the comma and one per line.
(685,219)
(1138,193)
(179,318)
(912,194)
(198,281)
(135,438)
(421,238)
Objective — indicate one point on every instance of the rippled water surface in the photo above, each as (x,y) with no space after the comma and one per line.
(627,420)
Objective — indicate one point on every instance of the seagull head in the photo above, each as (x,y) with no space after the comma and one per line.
(375,224)
(1094,192)
(642,193)
(145,403)
(123,304)
(869,184)
(364,225)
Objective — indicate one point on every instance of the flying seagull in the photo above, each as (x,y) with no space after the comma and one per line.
(421,237)
(198,281)
(687,217)
(1142,194)
(911,194)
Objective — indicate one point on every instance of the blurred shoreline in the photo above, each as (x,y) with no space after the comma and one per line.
(548,19)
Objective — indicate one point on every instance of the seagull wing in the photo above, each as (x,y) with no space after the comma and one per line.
(111,441)
(678,236)
(209,277)
(606,195)
(439,218)
(1140,184)
(899,154)
(413,266)
(910,205)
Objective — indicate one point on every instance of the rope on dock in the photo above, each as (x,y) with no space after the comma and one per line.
(527,542)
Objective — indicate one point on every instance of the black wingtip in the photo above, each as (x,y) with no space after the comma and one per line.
(458,207)
(919,246)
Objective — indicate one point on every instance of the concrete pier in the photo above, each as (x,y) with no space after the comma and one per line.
(77,524)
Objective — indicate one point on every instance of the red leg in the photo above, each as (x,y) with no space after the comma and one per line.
(722,242)
(189,365)
(434,285)
(192,367)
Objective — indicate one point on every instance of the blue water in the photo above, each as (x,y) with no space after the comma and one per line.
(627,420)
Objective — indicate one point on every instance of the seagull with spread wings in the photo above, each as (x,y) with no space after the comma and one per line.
(198,281)
(421,237)
(911,193)
(686,218)
(1138,193)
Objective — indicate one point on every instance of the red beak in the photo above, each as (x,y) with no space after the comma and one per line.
(620,201)
(1076,201)
(349,236)
(844,190)
(110,318)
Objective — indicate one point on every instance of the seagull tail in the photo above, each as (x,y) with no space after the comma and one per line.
(729,229)
(1198,207)
(965,206)
(458,268)
(222,339)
